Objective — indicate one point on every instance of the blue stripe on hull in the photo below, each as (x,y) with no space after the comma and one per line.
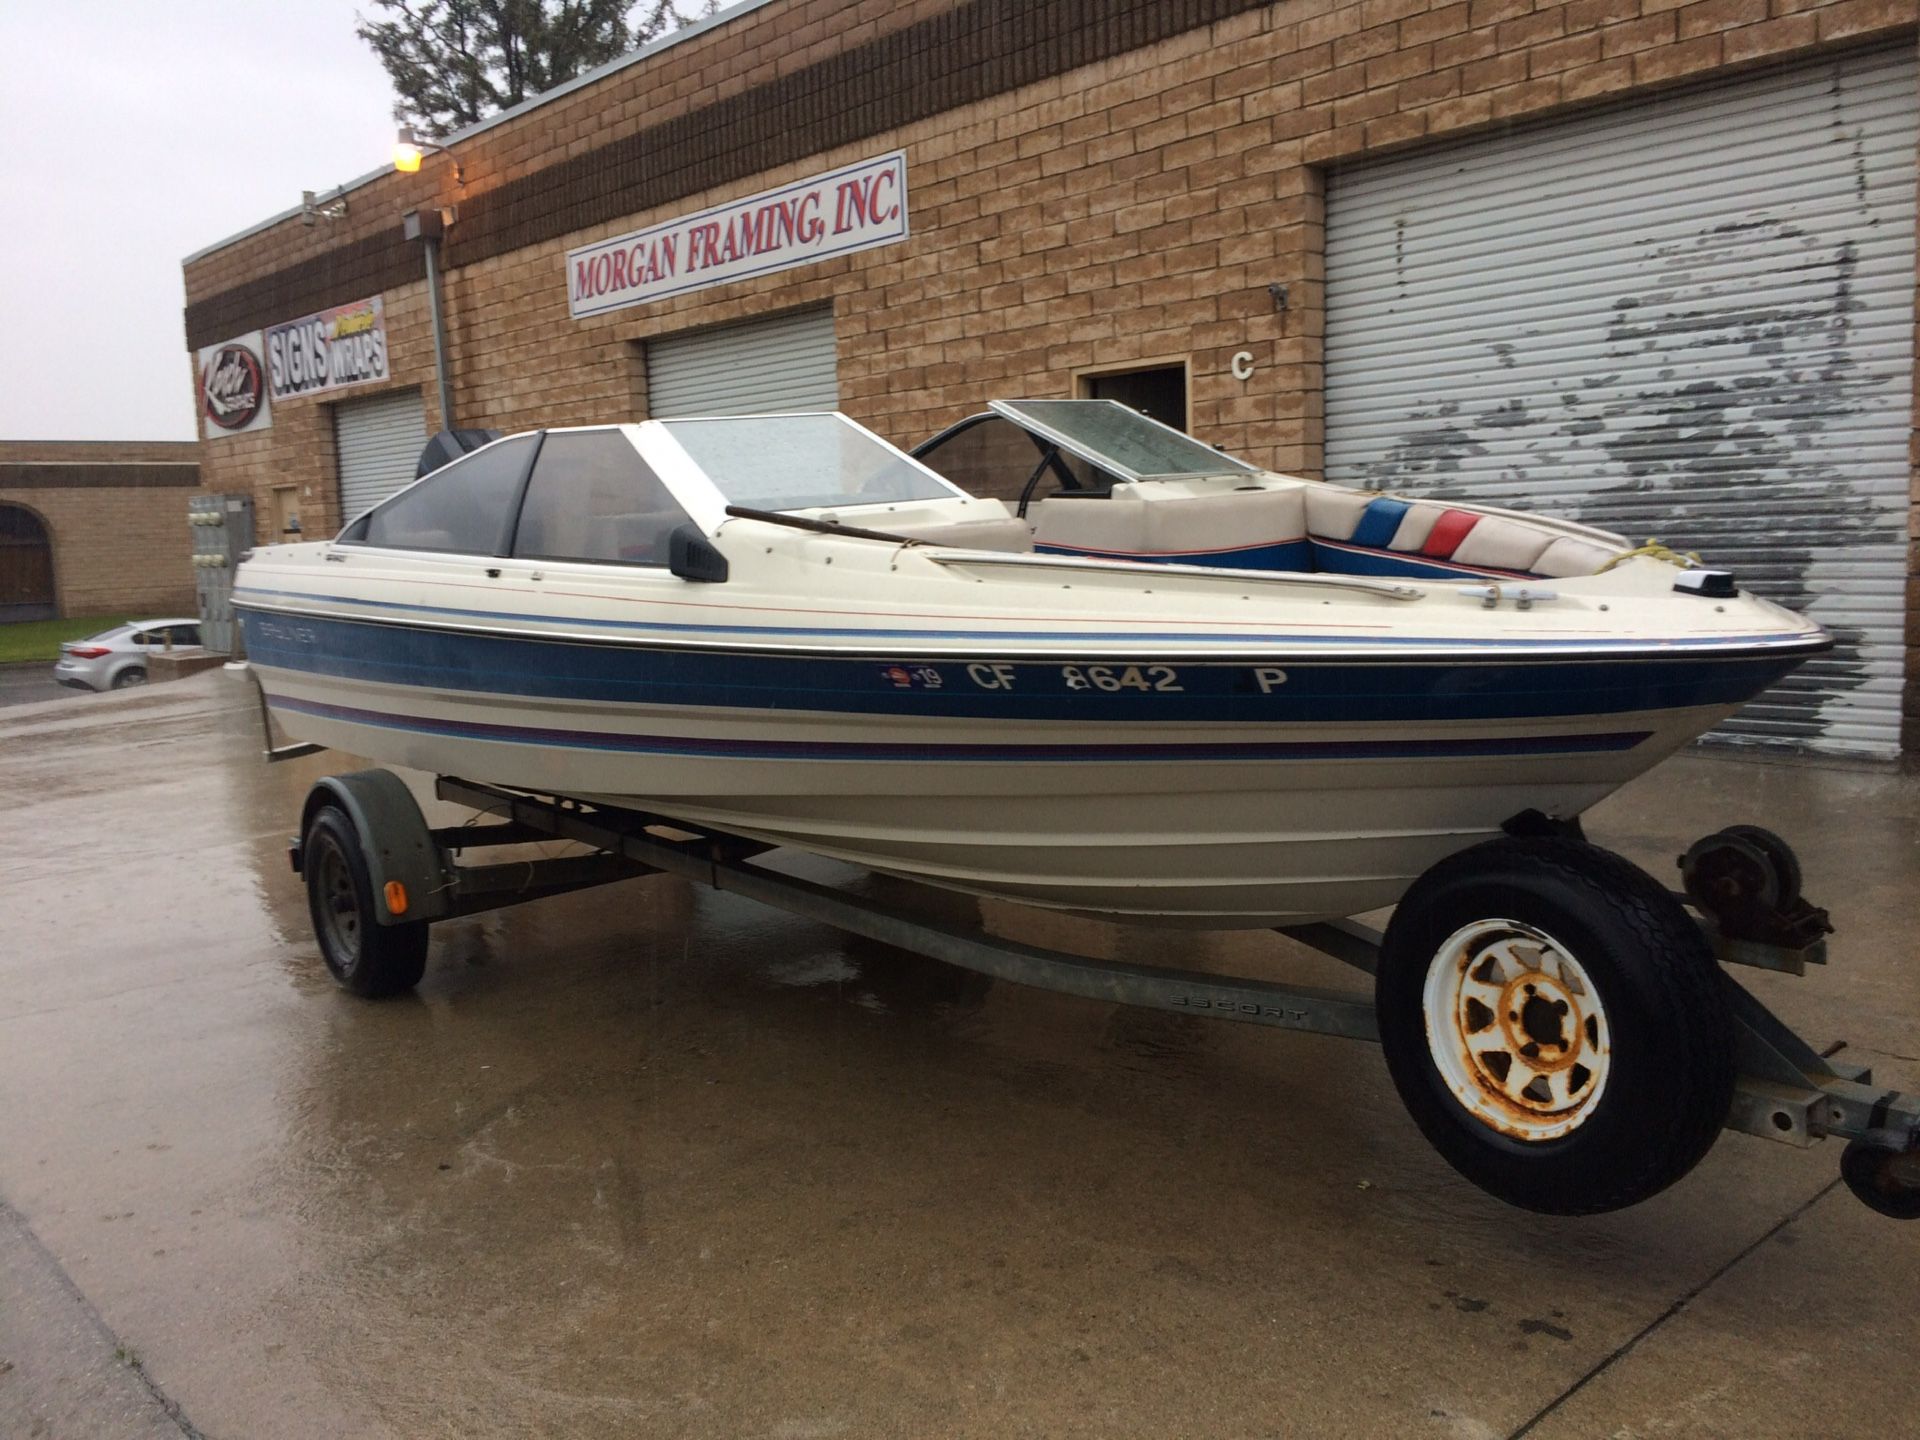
(922,753)
(1297,692)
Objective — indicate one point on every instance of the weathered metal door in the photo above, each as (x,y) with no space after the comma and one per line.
(1688,317)
(222,528)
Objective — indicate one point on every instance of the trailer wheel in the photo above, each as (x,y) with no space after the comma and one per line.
(1556,1025)
(366,957)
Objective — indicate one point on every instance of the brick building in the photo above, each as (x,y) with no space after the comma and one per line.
(95,527)
(1646,262)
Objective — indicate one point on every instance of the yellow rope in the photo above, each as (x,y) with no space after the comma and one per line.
(1654,550)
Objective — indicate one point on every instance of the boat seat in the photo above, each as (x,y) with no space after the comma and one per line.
(1242,529)
(1568,555)
(1359,534)
(1315,527)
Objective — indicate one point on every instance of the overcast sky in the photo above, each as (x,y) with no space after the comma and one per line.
(132,133)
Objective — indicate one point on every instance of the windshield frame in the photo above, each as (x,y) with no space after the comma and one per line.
(1010,410)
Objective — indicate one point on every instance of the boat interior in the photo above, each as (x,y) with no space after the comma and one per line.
(1075,478)
(1091,477)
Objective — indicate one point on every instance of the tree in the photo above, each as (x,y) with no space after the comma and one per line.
(453,62)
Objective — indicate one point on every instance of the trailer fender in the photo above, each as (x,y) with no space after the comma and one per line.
(404,863)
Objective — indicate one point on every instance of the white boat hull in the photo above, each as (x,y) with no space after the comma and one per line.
(1340,825)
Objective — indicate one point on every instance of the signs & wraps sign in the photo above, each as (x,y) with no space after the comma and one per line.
(346,345)
(233,387)
(857,207)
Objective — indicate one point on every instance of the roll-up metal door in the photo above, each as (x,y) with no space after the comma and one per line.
(786,363)
(1689,317)
(377,444)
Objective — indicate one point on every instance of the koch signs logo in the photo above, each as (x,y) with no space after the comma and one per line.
(233,387)
(346,345)
(858,207)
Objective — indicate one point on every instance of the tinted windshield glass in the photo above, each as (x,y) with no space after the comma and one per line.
(593,498)
(798,462)
(462,507)
(1118,439)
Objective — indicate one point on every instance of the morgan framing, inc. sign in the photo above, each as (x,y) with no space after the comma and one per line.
(857,207)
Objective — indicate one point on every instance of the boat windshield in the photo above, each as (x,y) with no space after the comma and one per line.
(803,462)
(1121,441)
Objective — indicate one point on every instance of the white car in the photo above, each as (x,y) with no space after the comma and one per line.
(117,658)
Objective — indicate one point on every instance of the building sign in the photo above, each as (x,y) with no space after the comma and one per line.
(858,207)
(346,345)
(233,387)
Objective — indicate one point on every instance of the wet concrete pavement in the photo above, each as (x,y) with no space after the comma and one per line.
(24,684)
(653,1160)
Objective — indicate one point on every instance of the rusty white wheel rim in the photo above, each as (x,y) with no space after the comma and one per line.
(1516,1027)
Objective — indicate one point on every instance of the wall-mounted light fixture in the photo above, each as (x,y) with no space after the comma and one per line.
(408,150)
(312,211)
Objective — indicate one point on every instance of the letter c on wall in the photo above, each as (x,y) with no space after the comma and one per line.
(1242,365)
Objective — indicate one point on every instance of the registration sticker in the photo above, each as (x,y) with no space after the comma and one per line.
(913,677)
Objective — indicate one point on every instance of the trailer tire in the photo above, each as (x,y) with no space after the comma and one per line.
(367,958)
(1556,1025)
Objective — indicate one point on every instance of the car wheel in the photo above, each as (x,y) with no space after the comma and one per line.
(131,676)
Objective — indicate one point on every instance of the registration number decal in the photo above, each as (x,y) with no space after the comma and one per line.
(1114,678)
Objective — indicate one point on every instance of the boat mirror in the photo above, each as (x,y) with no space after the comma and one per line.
(692,556)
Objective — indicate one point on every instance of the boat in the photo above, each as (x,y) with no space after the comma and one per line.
(1148,681)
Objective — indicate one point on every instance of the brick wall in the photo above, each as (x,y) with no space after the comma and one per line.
(1127,209)
(298,449)
(116,513)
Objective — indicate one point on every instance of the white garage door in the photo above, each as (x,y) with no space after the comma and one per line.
(786,363)
(1690,317)
(377,443)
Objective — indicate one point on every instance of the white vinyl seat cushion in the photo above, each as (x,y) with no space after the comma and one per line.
(1497,543)
(1118,523)
(1175,525)
(1333,513)
(1416,525)
(1569,555)
(1232,521)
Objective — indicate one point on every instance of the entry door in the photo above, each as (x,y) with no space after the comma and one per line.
(377,445)
(286,514)
(26,566)
(764,366)
(1159,393)
(1688,317)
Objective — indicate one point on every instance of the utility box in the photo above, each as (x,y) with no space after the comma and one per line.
(222,532)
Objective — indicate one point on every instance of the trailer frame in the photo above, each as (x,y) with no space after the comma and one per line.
(1785,1090)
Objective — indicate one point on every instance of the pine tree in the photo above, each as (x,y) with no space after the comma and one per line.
(453,62)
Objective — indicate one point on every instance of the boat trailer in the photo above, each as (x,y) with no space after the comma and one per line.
(378,875)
